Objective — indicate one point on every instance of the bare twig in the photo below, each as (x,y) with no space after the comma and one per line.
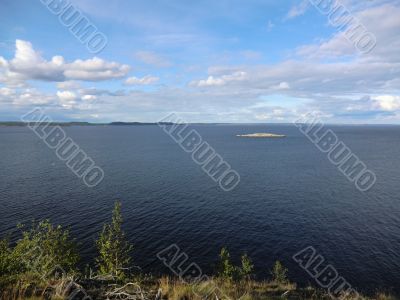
(130,291)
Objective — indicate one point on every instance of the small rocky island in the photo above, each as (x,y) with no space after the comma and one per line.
(261,135)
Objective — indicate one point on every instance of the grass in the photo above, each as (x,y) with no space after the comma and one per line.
(169,288)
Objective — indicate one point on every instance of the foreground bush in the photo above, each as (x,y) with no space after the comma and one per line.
(44,253)
(227,270)
(279,273)
(43,249)
(114,251)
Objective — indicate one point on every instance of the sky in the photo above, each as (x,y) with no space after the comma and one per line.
(253,61)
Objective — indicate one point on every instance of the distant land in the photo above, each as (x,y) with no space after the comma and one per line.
(85,124)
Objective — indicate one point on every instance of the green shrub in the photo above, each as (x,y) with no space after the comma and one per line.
(279,273)
(43,253)
(10,265)
(229,271)
(45,249)
(5,258)
(226,268)
(114,251)
(247,267)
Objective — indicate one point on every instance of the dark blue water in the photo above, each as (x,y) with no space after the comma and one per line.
(289,197)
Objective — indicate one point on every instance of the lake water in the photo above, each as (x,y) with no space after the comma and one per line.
(290,197)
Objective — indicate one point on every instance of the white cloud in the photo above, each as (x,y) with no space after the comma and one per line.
(222,80)
(338,88)
(282,86)
(388,102)
(100,92)
(67,98)
(4,91)
(29,64)
(298,10)
(89,97)
(95,69)
(382,21)
(210,81)
(146,80)
(24,97)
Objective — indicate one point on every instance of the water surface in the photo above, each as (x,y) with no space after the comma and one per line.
(289,197)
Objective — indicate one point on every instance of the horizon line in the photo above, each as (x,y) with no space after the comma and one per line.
(132,123)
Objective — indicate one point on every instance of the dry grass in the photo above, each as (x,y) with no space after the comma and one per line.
(175,289)
(225,289)
(219,289)
(385,297)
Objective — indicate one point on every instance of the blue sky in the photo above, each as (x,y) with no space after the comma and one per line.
(208,61)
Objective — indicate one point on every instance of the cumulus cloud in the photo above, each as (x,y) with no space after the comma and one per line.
(298,10)
(89,97)
(146,80)
(282,86)
(345,86)
(388,102)
(29,64)
(101,92)
(360,87)
(308,79)
(381,21)
(4,91)
(23,97)
(80,99)
(221,80)
(67,98)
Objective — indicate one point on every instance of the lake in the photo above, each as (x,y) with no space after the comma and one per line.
(290,196)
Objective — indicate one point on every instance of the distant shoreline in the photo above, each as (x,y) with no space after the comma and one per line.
(75,123)
(23,124)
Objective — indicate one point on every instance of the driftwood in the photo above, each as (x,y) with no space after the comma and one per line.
(130,291)
(159,294)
